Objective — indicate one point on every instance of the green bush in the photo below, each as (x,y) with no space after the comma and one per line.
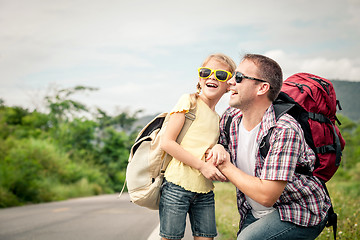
(61,153)
(33,170)
(7,198)
(113,156)
(80,188)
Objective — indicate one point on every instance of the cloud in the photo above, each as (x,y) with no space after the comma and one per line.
(341,69)
(152,97)
(335,69)
(131,49)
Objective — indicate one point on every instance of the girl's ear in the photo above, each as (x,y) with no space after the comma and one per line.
(198,88)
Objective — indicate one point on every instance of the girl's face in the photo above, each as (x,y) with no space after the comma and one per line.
(212,89)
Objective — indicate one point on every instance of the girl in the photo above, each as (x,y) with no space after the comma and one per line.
(188,186)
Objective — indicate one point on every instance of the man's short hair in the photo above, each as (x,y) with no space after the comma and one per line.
(268,70)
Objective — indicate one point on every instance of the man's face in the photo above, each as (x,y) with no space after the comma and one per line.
(244,93)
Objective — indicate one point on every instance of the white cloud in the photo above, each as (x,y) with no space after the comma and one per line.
(340,69)
(343,69)
(150,97)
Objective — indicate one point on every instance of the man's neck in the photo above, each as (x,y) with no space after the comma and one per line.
(253,116)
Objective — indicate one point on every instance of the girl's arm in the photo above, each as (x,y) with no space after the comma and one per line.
(169,144)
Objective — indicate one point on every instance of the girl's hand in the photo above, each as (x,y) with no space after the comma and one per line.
(218,155)
(211,172)
(207,153)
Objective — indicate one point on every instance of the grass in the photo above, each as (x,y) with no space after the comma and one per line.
(345,196)
(226,213)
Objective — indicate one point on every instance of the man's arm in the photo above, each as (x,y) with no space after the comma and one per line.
(265,192)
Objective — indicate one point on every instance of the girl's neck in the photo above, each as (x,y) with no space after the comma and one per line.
(210,102)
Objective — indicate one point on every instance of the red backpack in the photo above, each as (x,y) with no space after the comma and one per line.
(311,100)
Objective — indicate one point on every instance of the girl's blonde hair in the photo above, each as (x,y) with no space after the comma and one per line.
(219,57)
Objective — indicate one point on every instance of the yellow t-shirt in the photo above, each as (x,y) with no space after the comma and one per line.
(202,134)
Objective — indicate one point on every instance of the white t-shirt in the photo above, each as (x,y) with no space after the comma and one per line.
(246,162)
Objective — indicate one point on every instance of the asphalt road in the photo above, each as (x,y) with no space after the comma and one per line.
(92,218)
(104,217)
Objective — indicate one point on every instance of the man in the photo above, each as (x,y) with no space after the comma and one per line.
(273,200)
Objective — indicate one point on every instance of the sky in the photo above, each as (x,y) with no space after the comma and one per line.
(143,55)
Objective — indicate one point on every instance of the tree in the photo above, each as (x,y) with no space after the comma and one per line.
(123,121)
(351,133)
(62,108)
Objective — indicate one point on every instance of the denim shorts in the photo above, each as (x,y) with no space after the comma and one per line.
(176,202)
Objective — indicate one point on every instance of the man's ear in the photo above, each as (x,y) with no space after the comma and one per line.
(264,88)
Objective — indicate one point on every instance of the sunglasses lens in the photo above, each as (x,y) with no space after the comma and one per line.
(238,77)
(204,72)
(221,75)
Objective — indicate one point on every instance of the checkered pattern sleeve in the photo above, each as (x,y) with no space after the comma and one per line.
(229,130)
(282,157)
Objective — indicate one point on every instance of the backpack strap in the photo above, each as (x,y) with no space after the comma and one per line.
(280,108)
(122,190)
(227,129)
(189,118)
(332,216)
(336,147)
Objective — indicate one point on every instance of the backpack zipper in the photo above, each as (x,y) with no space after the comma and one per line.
(301,87)
(323,84)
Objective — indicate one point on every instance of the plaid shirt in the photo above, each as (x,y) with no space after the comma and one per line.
(304,201)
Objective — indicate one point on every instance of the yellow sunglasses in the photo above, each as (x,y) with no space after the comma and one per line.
(220,75)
